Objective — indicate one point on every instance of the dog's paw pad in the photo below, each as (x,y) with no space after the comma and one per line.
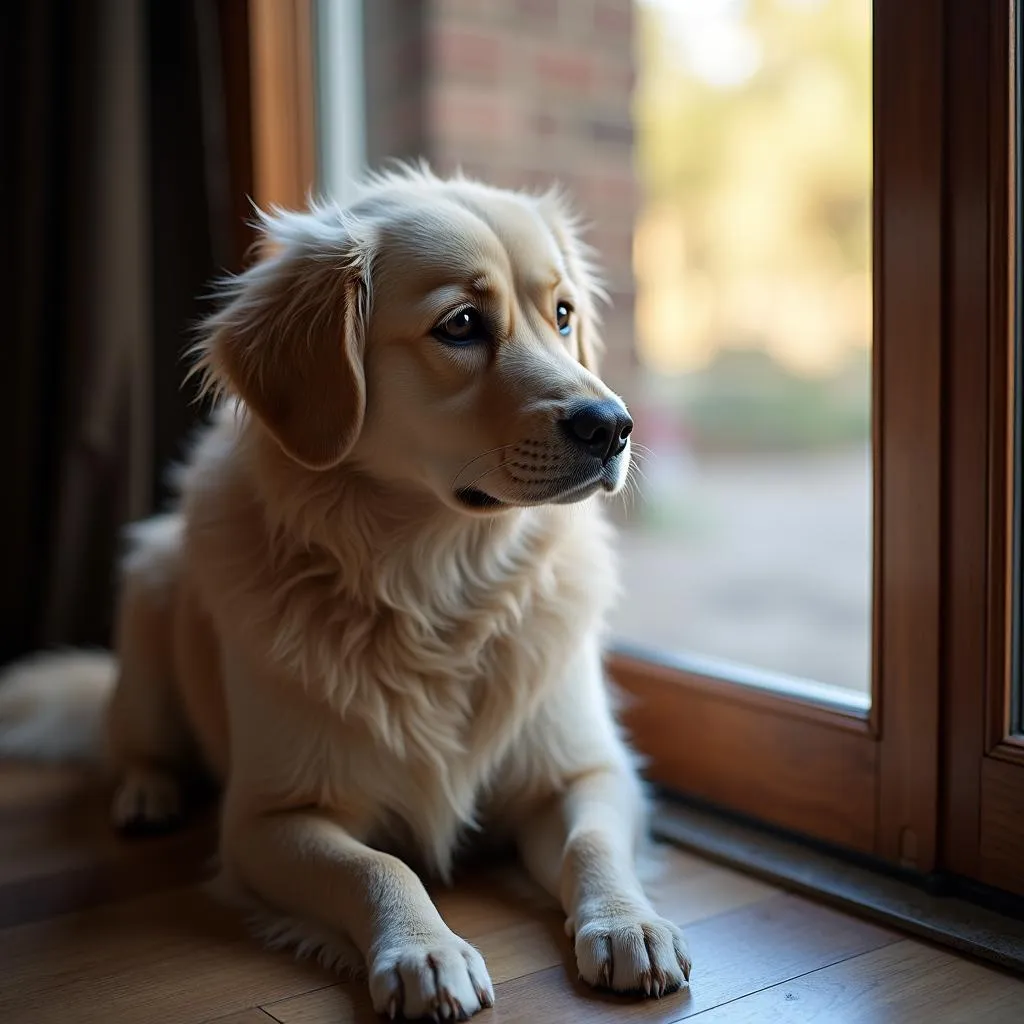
(639,953)
(442,979)
(146,802)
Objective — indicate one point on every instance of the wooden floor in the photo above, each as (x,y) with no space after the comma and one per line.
(96,929)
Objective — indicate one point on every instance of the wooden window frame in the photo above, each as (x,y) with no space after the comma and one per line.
(930,779)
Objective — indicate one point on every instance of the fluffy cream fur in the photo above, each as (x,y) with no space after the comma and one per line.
(370,662)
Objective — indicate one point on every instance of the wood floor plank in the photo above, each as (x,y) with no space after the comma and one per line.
(80,878)
(519,935)
(735,953)
(58,853)
(516,936)
(102,930)
(904,983)
(175,956)
(686,889)
(346,1003)
(32,789)
(252,1016)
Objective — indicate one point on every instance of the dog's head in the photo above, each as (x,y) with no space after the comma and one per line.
(437,333)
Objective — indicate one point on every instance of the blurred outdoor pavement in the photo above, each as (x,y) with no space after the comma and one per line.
(770,566)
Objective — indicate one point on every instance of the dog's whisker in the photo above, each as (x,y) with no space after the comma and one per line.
(627,495)
(476,458)
(639,476)
(638,456)
(634,495)
(479,477)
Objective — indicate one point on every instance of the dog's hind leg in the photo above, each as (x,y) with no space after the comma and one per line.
(149,742)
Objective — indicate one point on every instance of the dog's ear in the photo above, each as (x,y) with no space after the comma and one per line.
(581,264)
(289,341)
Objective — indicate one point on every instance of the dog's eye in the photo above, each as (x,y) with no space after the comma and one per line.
(464,327)
(563,317)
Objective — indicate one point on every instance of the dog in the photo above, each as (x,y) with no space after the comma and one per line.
(375,613)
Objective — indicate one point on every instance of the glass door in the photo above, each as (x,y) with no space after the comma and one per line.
(782,635)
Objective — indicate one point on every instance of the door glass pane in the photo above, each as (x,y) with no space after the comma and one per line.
(748,539)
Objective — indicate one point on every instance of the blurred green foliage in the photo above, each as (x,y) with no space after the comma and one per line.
(765,177)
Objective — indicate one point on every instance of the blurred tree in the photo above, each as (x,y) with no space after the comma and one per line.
(754,153)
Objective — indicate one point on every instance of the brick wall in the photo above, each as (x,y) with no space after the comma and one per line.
(519,93)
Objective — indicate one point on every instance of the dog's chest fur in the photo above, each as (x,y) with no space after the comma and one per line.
(429,699)
(420,656)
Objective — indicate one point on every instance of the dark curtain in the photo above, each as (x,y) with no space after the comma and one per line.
(123,155)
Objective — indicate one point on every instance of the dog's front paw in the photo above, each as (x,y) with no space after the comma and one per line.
(441,977)
(631,951)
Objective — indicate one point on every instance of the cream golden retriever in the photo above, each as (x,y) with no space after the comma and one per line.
(375,616)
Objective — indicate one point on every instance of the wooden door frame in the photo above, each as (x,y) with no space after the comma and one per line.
(283,102)
(269,79)
(983,805)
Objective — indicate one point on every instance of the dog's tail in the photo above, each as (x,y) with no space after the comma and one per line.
(53,706)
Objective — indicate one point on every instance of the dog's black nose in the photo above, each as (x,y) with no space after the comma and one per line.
(600,428)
